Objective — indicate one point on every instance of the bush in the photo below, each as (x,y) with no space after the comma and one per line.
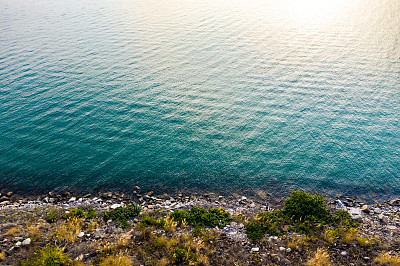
(48,257)
(51,217)
(201,217)
(183,255)
(254,230)
(301,206)
(122,214)
(91,214)
(273,222)
(147,221)
(343,219)
(74,213)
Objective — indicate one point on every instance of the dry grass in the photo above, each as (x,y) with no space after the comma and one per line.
(13,232)
(298,242)
(92,226)
(321,258)
(2,256)
(68,231)
(350,235)
(119,260)
(170,225)
(164,262)
(388,258)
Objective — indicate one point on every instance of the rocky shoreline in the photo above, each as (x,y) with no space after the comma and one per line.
(23,228)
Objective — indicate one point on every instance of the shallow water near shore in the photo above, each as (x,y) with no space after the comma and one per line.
(217,95)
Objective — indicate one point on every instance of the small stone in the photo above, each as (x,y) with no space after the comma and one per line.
(72,199)
(26,242)
(382,218)
(150,193)
(365,208)
(81,234)
(288,249)
(114,206)
(9,194)
(395,202)
(19,243)
(150,206)
(243,198)
(137,189)
(343,253)
(282,248)
(255,249)
(366,258)
(4,198)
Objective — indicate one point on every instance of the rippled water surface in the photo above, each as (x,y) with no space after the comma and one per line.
(222,94)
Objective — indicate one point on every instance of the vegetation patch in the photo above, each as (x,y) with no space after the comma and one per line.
(122,214)
(201,217)
(73,214)
(50,256)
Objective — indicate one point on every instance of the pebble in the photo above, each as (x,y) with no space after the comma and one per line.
(343,253)
(81,234)
(114,206)
(72,199)
(255,249)
(282,248)
(26,242)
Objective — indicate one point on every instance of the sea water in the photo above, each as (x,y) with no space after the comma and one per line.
(216,94)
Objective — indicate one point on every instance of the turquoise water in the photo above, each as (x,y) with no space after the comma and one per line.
(212,94)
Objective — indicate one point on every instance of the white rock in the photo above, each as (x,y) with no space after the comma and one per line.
(114,206)
(255,249)
(81,234)
(343,253)
(72,199)
(18,244)
(26,242)
(244,198)
(282,248)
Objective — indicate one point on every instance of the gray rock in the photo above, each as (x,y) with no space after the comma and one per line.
(4,198)
(395,202)
(26,242)
(382,218)
(365,208)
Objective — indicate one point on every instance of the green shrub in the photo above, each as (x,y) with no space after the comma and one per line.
(183,255)
(91,214)
(301,206)
(343,219)
(48,257)
(254,231)
(122,214)
(74,213)
(273,222)
(201,217)
(148,221)
(51,217)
